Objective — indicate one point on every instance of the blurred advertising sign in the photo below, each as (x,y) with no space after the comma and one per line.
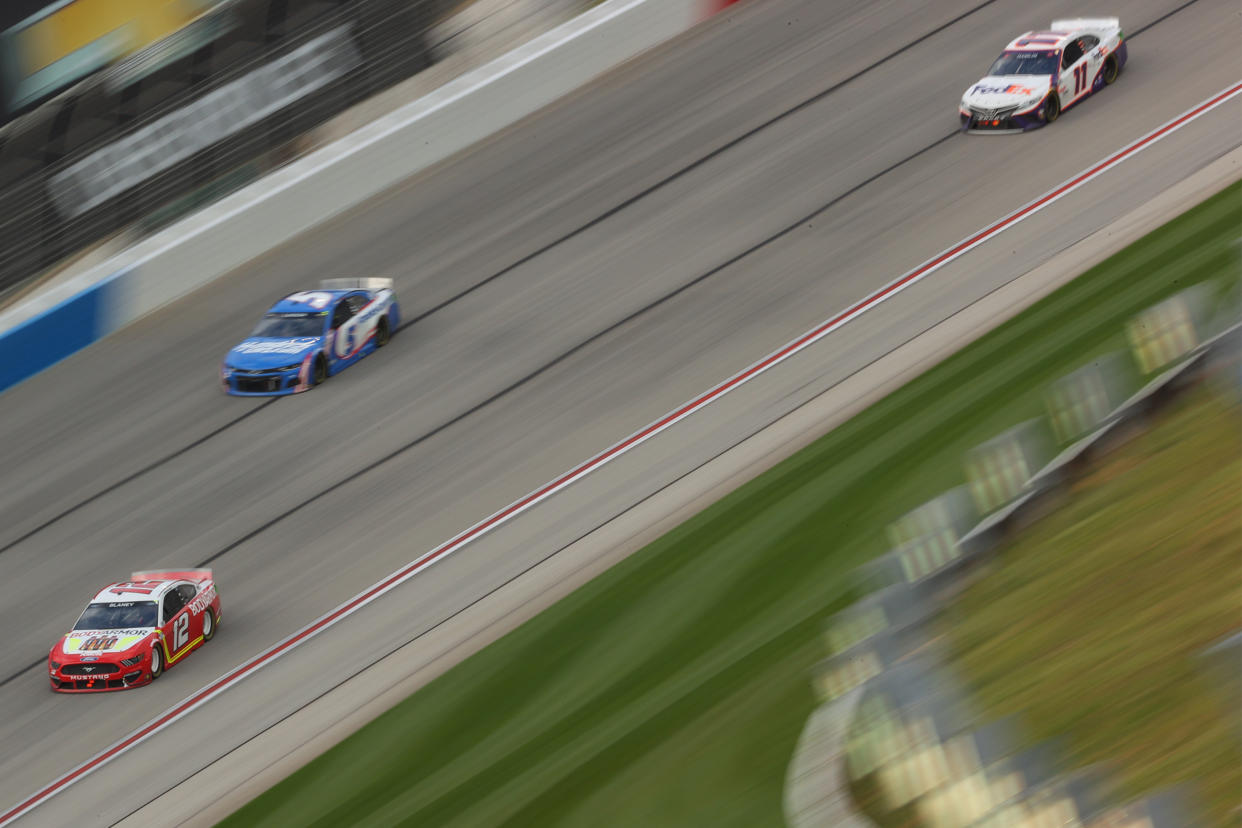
(62,43)
(222,112)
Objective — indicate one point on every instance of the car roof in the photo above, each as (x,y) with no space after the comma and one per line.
(1041,41)
(152,590)
(291,305)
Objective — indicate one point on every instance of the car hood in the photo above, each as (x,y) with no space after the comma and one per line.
(85,643)
(999,91)
(258,353)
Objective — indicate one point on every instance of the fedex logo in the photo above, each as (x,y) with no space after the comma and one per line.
(1011,89)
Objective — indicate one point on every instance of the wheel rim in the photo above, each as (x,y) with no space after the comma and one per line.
(209,625)
(1054,109)
(1110,71)
(157,663)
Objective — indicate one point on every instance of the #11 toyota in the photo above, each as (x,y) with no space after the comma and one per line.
(1042,74)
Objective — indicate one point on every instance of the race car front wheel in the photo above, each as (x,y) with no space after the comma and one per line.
(319,372)
(157,662)
(382,334)
(1110,70)
(209,625)
(1052,107)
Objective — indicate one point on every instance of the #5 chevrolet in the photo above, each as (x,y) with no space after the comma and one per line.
(309,336)
(1042,74)
(133,630)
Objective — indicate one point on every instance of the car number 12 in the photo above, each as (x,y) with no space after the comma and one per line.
(181,631)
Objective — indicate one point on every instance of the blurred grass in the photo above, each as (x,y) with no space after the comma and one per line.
(1090,628)
(671,690)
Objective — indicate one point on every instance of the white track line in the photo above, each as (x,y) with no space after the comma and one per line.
(603,458)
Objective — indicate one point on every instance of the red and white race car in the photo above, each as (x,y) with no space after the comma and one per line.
(134,630)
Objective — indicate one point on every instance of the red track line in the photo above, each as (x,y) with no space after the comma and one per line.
(357,602)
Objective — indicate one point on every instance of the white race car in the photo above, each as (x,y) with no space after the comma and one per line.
(1042,74)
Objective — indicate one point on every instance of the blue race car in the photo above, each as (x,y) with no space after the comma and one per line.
(309,336)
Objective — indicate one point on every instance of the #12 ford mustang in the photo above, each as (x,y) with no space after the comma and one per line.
(1042,74)
(134,630)
(309,336)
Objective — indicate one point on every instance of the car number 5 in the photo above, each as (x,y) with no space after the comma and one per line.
(181,631)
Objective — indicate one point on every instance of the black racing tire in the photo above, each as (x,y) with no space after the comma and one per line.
(1111,70)
(319,371)
(382,334)
(157,662)
(209,625)
(1052,108)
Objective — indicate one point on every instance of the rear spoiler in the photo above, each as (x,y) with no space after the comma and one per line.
(1094,24)
(368,283)
(197,575)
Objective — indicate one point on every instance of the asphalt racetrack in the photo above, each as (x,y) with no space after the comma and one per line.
(567,282)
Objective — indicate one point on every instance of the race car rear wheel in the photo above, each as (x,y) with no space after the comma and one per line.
(319,372)
(209,625)
(382,334)
(157,662)
(1052,107)
(1110,70)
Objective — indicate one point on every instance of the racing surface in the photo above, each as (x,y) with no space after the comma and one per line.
(565,283)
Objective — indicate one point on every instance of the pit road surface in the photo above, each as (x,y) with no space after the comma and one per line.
(541,336)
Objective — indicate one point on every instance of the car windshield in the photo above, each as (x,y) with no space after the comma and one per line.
(118,615)
(290,325)
(1025,63)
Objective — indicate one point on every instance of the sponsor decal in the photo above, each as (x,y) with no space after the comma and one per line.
(374,308)
(102,641)
(140,631)
(286,346)
(1011,89)
(203,600)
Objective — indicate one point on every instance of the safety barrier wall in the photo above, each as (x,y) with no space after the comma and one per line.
(60,331)
(310,191)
